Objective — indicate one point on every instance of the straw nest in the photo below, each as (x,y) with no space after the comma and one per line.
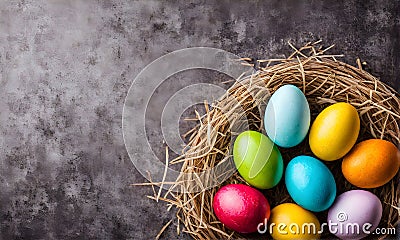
(324,80)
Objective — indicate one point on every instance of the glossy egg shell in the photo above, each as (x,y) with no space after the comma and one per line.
(240,207)
(310,183)
(289,214)
(355,208)
(334,131)
(371,163)
(257,159)
(287,116)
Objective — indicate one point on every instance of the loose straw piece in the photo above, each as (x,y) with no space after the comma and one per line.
(163,229)
(165,173)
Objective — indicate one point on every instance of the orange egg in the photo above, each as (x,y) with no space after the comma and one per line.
(371,163)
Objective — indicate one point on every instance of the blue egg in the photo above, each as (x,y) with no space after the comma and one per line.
(287,116)
(310,183)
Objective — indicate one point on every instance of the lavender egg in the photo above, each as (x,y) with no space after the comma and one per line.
(354,214)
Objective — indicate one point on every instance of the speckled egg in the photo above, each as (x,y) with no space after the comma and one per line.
(371,163)
(310,183)
(241,207)
(355,214)
(287,116)
(257,159)
(334,132)
(290,221)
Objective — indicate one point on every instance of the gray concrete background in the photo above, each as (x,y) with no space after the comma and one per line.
(65,69)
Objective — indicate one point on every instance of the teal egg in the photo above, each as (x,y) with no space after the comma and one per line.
(310,183)
(287,116)
(257,159)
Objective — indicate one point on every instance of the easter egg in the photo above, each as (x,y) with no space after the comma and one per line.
(371,163)
(310,183)
(290,221)
(257,159)
(334,131)
(240,207)
(287,116)
(354,214)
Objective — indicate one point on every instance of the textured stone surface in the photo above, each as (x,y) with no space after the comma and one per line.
(65,69)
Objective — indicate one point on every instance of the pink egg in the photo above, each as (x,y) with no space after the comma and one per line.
(354,214)
(240,207)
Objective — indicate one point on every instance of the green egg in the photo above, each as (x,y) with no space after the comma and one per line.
(258,159)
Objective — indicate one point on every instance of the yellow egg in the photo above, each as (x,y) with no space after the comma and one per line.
(290,221)
(334,131)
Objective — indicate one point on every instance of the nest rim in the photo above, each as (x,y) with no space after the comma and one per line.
(324,80)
